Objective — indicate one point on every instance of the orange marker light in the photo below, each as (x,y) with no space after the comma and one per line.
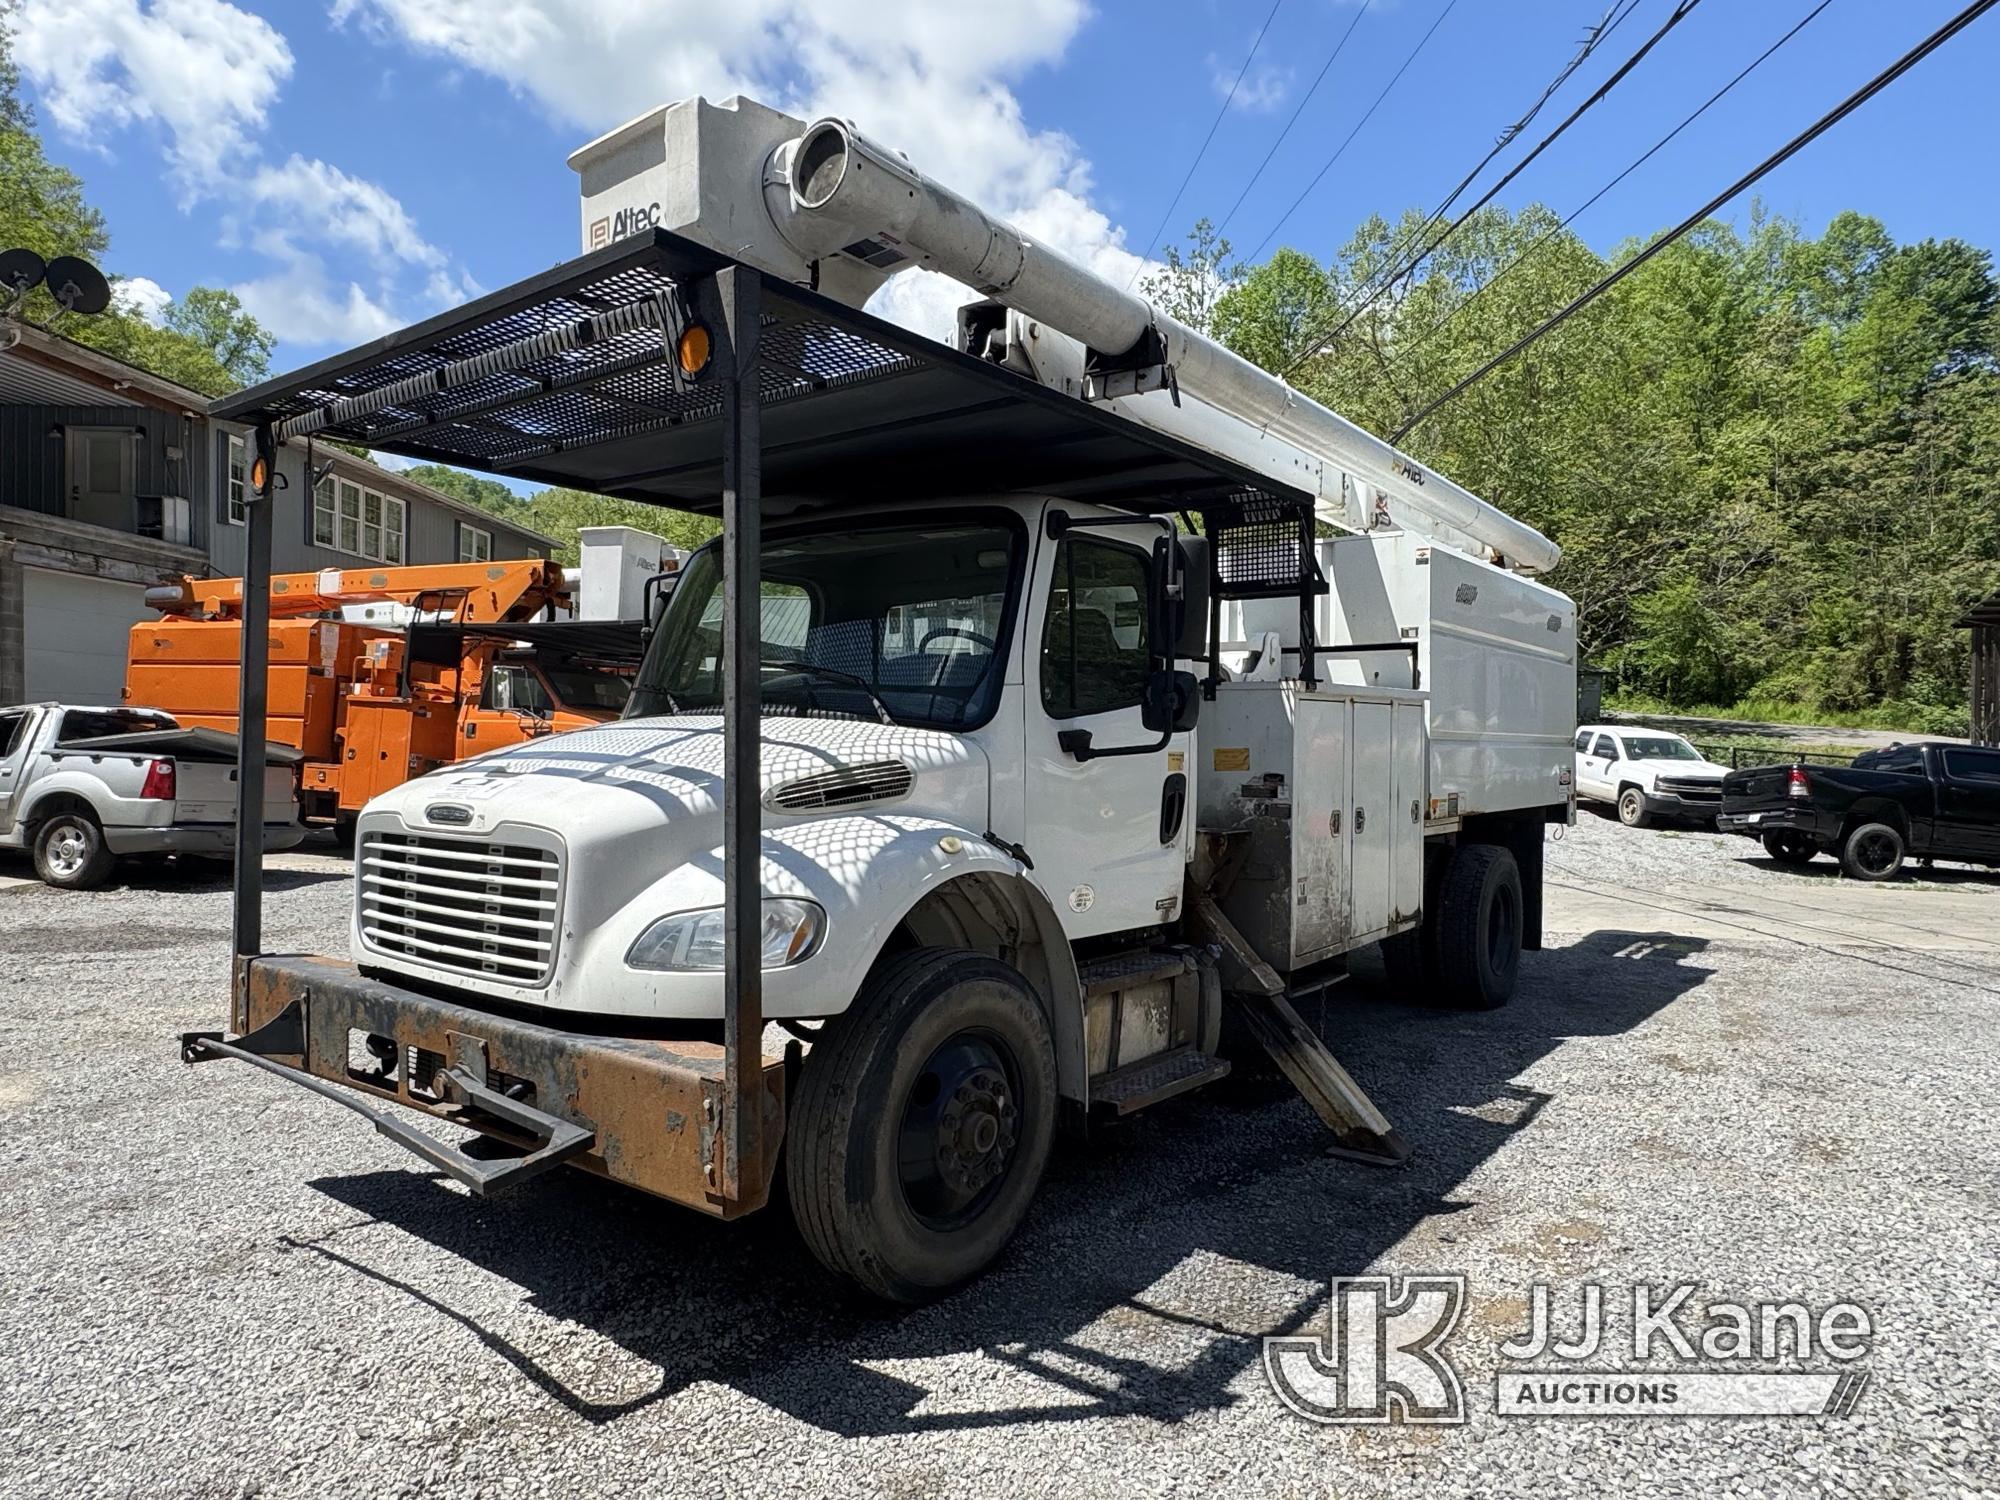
(694,350)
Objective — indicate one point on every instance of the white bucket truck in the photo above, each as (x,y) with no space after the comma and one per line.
(1025,725)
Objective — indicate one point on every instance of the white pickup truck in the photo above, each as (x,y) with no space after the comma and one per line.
(81,786)
(1647,774)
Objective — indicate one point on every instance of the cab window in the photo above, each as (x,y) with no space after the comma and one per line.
(1583,742)
(1607,747)
(514,688)
(1095,655)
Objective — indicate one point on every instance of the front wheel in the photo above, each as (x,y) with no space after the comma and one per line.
(1873,851)
(1790,847)
(1632,808)
(70,852)
(921,1125)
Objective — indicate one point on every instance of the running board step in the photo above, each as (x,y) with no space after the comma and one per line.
(1156,1078)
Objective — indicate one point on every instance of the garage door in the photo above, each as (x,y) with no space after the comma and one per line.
(75,632)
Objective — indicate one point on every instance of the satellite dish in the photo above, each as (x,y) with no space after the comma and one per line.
(78,285)
(20,271)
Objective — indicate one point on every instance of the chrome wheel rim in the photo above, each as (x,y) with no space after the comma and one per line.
(67,851)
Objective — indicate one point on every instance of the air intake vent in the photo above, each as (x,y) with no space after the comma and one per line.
(850,786)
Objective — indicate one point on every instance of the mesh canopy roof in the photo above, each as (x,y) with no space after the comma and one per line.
(567,379)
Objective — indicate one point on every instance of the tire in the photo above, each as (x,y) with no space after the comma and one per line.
(70,853)
(1479,925)
(343,832)
(1790,847)
(1872,851)
(932,1028)
(1632,808)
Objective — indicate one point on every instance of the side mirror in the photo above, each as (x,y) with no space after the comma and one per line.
(659,589)
(1191,640)
(1172,702)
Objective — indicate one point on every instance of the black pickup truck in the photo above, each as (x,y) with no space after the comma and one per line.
(1910,801)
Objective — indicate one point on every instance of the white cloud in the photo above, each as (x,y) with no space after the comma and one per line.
(203,71)
(142,297)
(926,77)
(204,74)
(304,303)
(1261,89)
(343,208)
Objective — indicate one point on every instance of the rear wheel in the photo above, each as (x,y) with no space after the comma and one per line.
(1790,847)
(70,852)
(1479,925)
(922,1123)
(1632,808)
(1872,851)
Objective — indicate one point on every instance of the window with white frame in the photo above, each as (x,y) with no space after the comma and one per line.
(238,480)
(350,517)
(395,529)
(348,537)
(475,544)
(325,525)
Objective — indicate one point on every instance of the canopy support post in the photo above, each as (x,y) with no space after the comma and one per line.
(734,327)
(252,702)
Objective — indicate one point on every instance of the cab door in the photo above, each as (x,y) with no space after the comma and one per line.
(1108,833)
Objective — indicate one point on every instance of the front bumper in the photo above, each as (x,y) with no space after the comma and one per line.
(641,1111)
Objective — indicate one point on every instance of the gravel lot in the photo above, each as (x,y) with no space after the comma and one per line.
(219,1286)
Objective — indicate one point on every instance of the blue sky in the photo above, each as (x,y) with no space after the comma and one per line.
(352,164)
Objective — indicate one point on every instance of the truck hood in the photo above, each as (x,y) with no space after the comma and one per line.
(638,775)
(1692,770)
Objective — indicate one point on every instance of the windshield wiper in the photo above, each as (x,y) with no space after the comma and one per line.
(813,668)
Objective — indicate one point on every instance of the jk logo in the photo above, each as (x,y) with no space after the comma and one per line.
(1380,1359)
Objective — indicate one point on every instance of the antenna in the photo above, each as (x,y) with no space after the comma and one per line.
(78,286)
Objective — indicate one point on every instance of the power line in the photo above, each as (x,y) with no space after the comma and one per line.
(1450,6)
(1329,330)
(1214,125)
(1613,18)
(1584,207)
(1776,159)
(1304,99)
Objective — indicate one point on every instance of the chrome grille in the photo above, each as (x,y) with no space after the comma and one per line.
(1692,787)
(849,786)
(469,904)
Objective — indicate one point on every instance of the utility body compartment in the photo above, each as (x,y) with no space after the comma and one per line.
(1493,651)
(1327,789)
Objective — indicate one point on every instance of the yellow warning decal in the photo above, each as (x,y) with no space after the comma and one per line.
(1232,758)
(1176,761)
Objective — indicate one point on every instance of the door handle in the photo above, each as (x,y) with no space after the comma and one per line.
(1360,820)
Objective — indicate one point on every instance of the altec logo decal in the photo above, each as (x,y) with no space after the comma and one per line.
(627,221)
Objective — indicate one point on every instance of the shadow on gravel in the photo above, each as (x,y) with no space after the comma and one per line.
(1239,1174)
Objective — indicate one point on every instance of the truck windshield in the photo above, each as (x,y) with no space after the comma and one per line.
(1661,747)
(903,620)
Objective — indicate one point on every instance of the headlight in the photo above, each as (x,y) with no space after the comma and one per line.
(693,939)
